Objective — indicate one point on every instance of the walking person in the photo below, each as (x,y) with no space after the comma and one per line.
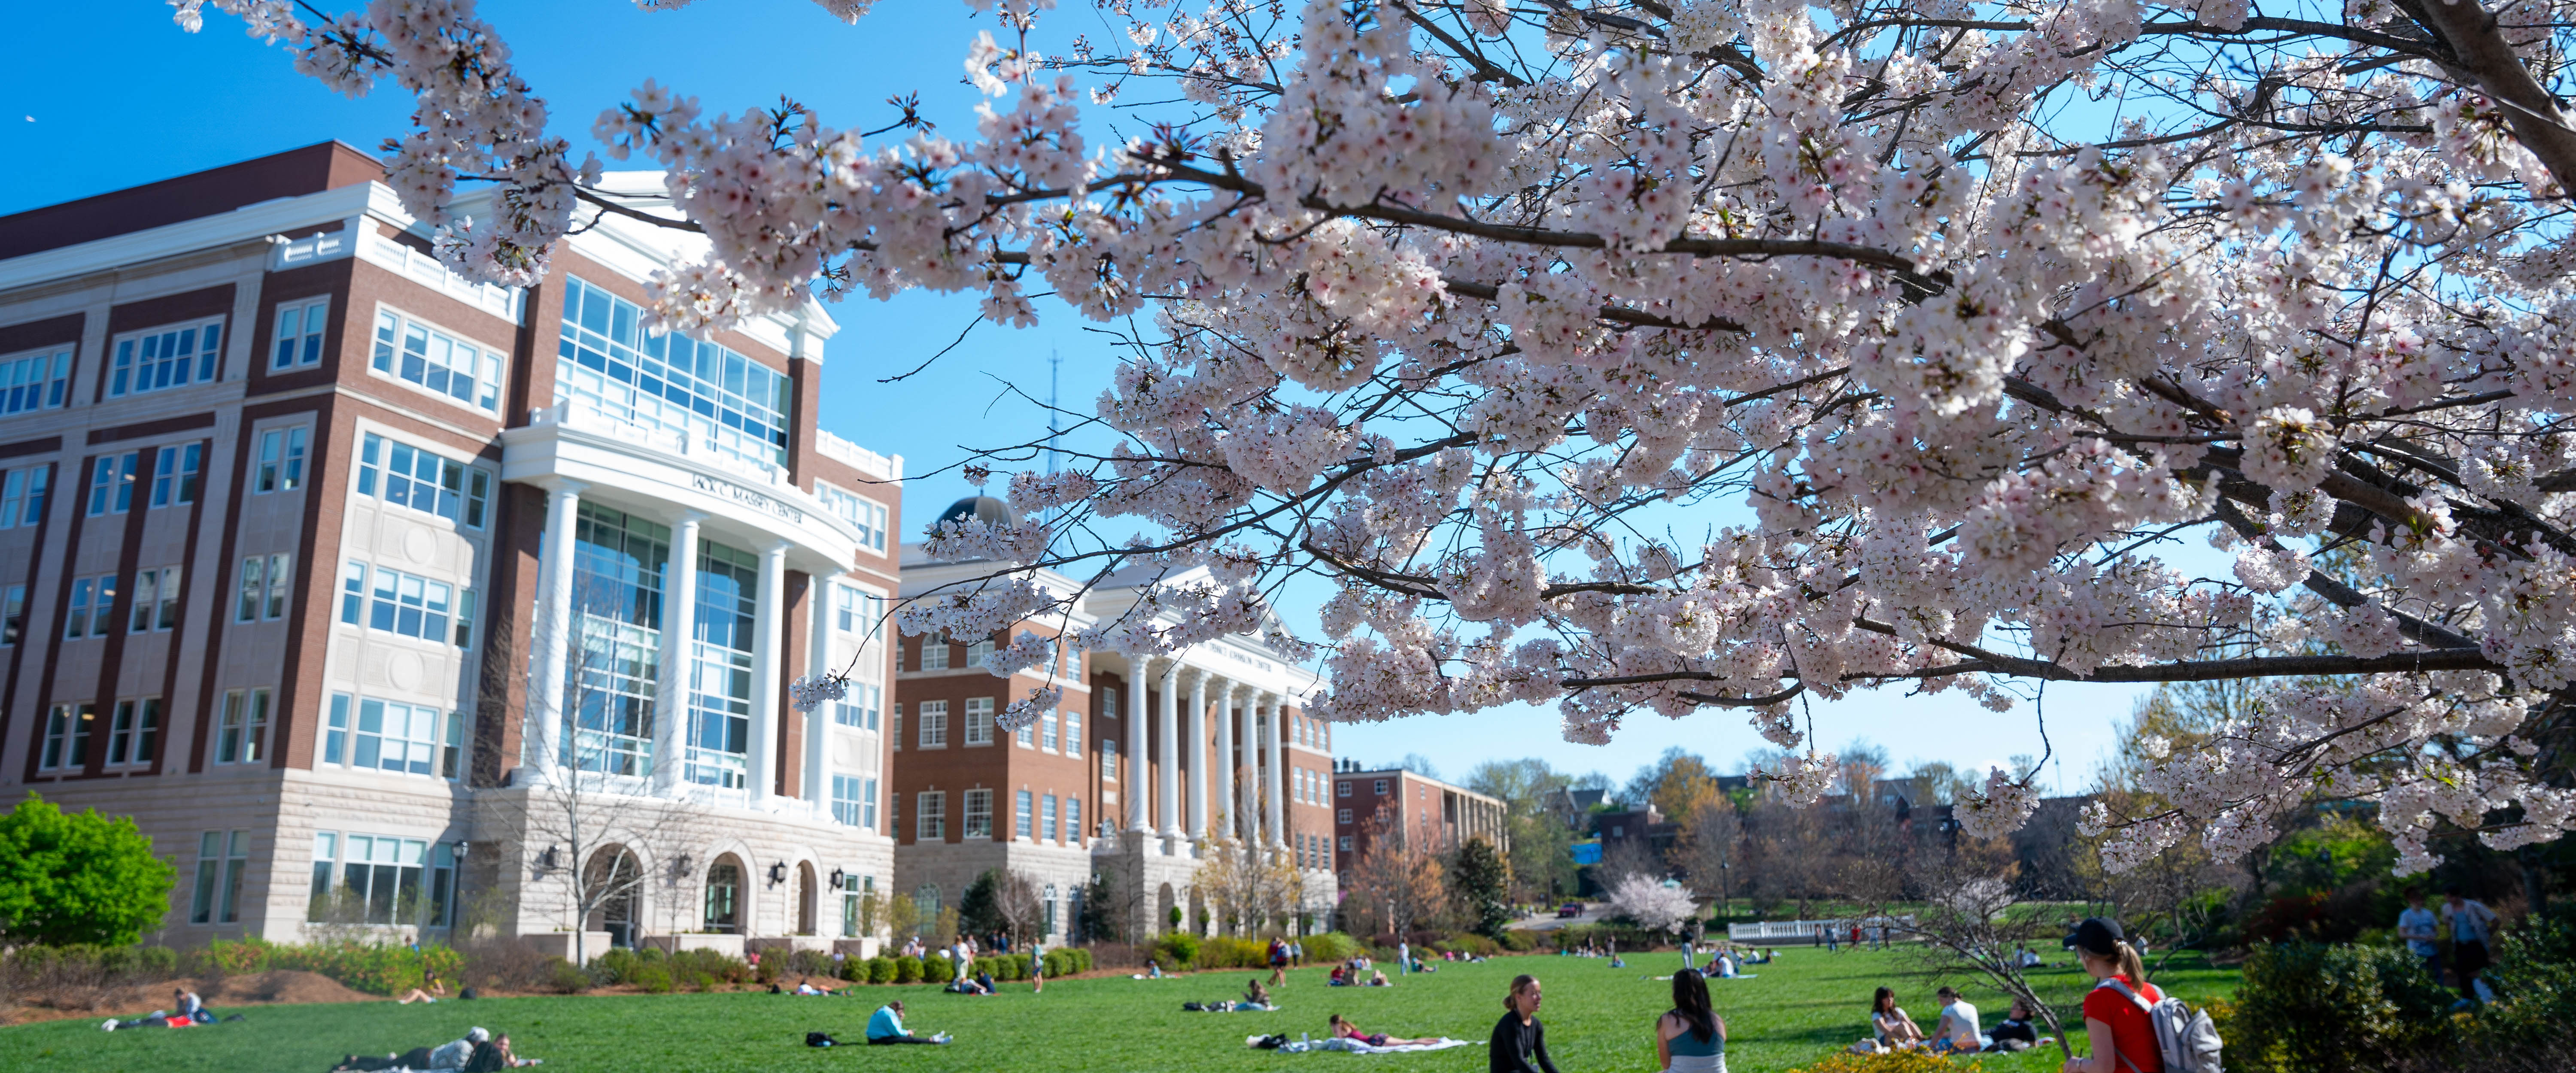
(1037,966)
(2422,931)
(1690,1038)
(2472,924)
(1403,957)
(1520,1041)
(2116,1023)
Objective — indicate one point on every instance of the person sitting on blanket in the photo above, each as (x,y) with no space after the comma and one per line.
(970,985)
(1377,978)
(1342,1029)
(886,1027)
(1256,995)
(1341,977)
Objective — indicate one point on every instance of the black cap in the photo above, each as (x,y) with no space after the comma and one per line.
(2096,936)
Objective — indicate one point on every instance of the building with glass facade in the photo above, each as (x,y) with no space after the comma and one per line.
(381,598)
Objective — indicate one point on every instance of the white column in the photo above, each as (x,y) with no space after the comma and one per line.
(1247,812)
(766,643)
(1221,699)
(1197,745)
(679,653)
(818,723)
(1167,753)
(1140,796)
(1278,772)
(552,632)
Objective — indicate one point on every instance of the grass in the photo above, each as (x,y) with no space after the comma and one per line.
(1797,1010)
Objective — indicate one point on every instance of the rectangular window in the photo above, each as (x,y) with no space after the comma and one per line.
(35,381)
(93,607)
(265,580)
(849,801)
(1346,843)
(174,474)
(1047,731)
(401,738)
(165,358)
(1345,788)
(894,725)
(382,880)
(608,360)
(979,813)
(1073,819)
(241,735)
(22,496)
(934,724)
(281,460)
(299,333)
(934,652)
(979,721)
(868,804)
(1073,733)
(156,600)
(67,728)
(408,476)
(866,515)
(335,735)
(1109,759)
(1381,787)
(437,362)
(1047,819)
(978,651)
(859,708)
(1342,816)
(13,614)
(930,816)
(406,604)
(111,483)
(223,858)
(134,735)
(1020,817)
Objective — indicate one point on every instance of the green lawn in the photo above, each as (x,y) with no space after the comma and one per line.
(1599,1018)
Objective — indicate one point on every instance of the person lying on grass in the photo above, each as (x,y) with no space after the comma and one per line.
(1342,1029)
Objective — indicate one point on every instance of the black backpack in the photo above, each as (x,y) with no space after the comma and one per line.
(820,1039)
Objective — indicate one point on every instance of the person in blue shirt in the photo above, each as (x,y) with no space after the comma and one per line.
(886,1026)
(2422,931)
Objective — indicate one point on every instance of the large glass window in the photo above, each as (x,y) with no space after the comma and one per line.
(407,604)
(281,460)
(165,358)
(66,744)
(979,721)
(111,483)
(721,678)
(933,719)
(854,801)
(22,495)
(377,735)
(36,381)
(422,480)
(223,857)
(979,813)
(718,398)
(241,731)
(383,880)
(617,590)
(930,824)
(174,474)
(298,339)
(868,515)
(438,362)
(724,896)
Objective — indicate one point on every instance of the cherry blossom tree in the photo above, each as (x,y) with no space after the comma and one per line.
(1940,325)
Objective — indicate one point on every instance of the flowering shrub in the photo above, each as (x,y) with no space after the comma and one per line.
(1911,1061)
(1651,904)
(1964,353)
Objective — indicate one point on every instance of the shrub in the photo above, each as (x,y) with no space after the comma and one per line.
(716,966)
(77,877)
(2316,1006)
(1176,950)
(1518,941)
(651,977)
(768,970)
(1059,962)
(907,970)
(1466,942)
(880,970)
(1230,953)
(702,981)
(1081,957)
(1893,1062)
(379,970)
(567,977)
(811,963)
(937,970)
(1330,946)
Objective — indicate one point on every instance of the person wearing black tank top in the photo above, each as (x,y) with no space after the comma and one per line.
(1520,1042)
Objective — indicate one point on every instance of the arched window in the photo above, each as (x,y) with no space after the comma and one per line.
(724,895)
(926,900)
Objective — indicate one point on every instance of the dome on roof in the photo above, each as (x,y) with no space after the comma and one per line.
(986,509)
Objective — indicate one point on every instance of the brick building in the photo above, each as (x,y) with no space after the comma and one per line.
(294,520)
(1138,775)
(1419,805)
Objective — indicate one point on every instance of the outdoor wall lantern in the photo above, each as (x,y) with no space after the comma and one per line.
(778,873)
(546,860)
(837,878)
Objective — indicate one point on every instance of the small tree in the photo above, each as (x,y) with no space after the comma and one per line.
(1977,923)
(979,911)
(1654,906)
(1396,882)
(1480,882)
(903,917)
(77,877)
(1711,843)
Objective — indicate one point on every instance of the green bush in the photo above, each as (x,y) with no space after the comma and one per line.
(907,970)
(1518,941)
(810,962)
(880,970)
(651,977)
(1224,952)
(937,970)
(1176,950)
(77,877)
(2331,1007)
(715,966)
(1329,947)
(378,970)
(1059,962)
(702,981)
(566,977)
(771,967)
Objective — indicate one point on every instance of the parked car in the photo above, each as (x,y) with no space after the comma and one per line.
(1569,909)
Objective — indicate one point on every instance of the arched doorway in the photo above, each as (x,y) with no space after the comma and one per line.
(1047,915)
(724,895)
(1198,921)
(612,885)
(805,898)
(1163,905)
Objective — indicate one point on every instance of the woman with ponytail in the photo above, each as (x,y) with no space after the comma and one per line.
(2115,1012)
(1691,1038)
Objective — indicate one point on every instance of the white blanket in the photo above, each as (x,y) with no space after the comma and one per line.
(1356,1047)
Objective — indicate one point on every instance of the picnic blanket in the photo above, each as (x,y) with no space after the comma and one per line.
(1356,1047)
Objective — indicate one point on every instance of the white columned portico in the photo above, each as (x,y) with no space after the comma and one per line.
(679,653)
(767,639)
(1167,752)
(1278,818)
(1225,798)
(818,723)
(1197,744)
(553,631)
(1140,797)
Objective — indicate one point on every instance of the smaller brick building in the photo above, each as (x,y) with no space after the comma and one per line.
(1421,806)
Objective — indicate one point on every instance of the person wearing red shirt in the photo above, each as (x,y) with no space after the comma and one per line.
(2123,1038)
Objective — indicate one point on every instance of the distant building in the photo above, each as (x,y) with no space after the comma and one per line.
(1418,805)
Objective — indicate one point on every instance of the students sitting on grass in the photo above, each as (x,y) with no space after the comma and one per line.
(1894,1030)
(1341,977)
(2016,1033)
(437,990)
(494,1055)
(886,1027)
(1690,1038)
(1520,1041)
(1377,978)
(1957,1031)
(1342,1029)
(444,1056)
(1255,996)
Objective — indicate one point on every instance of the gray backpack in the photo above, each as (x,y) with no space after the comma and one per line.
(2186,1037)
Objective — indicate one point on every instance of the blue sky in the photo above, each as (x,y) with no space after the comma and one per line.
(141,101)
